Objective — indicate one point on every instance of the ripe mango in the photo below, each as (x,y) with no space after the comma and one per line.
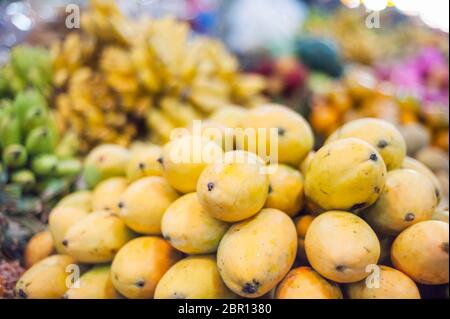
(434,158)
(185,158)
(391,284)
(408,197)
(421,252)
(235,188)
(39,247)
(305,283)
(190,229)
(45,280)
(193,278)
(144,162)
(340,245)
(60,220)
(382,135)
(104,161)
(80,199)
(347,174)
(306,162)
(411,163)
(96,238)
(94,284)
(295,137)
(106,194)
(144,202)
(140,264)
(255,255)
(229,116)
(285,190)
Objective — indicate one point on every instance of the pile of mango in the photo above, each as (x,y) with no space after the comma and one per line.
(119,79)
(169,222)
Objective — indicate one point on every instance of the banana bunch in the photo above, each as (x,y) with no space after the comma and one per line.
(35,167)
(27,67)
(120,79)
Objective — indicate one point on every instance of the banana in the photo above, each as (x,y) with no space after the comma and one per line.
(68,167)
(24,177)
(40,140)
(44,164)
(68,146)
(10,130)
(15,156)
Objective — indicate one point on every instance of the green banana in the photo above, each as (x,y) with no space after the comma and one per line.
(10,130)
(15,156)
(68,146)
(45,164)
(24,178)
(40,140)
(3,174)
(69,167)
(35,117)
(27,100)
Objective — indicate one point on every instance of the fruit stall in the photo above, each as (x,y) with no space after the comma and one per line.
(208,149)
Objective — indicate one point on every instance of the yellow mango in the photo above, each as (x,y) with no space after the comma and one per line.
(256,254)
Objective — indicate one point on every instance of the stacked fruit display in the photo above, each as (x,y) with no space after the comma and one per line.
(119,79)
(193,219)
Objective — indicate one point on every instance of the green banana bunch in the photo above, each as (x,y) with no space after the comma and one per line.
(31,158)
(27,67)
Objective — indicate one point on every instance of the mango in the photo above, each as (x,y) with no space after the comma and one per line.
(185,158)
(434,158)
(340,245)
(235,188)
(39,247)
(411,163)
(348,174)
(229,116)
(382,135)
(295,138)
(408,198)
(416,137)
(215,132)
(285,190)
(105,161)
(256,254)
(48,279)
(144,202)
(391,284)
(106,194)
(305,283)
(193,278)
(421,252)
(94,284)
(144,162)
(304,165)
(190,229)
(96,238)
(79,199)
(140,264)
(60,220)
